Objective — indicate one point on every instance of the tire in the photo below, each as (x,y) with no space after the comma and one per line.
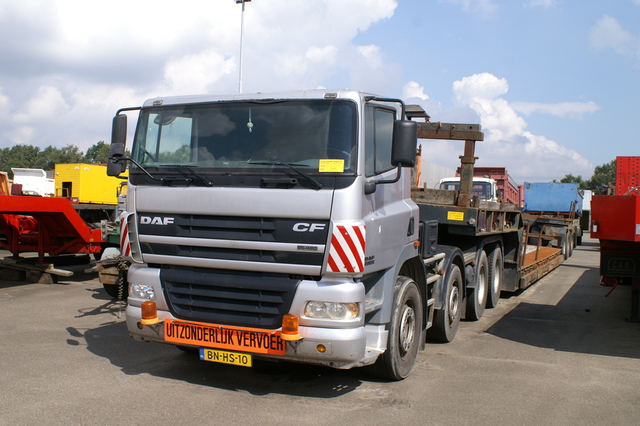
(496,265)
(405,331)
(572,242)
(564,244)
(477,297)
(447,320)
(119,290)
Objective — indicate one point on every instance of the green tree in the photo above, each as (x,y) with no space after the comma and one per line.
(582,184)
(68,154)
(98,153)
(603,176)
(20,156)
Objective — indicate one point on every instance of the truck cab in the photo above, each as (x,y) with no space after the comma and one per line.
(484,188)
(275,225)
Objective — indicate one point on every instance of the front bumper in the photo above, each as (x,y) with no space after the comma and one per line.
(337,348)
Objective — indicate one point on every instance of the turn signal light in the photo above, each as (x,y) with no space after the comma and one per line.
(149,313)
(290,327)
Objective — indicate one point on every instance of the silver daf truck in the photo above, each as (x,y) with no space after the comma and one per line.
(281,226)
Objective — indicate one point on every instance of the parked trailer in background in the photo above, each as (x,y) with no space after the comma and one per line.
(554,210)
(616,223)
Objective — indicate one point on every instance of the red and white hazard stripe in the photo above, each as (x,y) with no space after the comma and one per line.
(347,249)
(125,246)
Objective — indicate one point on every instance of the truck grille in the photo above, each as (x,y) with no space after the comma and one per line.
(249,299)
(244,270)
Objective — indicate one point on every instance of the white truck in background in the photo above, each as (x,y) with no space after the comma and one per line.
(484,188)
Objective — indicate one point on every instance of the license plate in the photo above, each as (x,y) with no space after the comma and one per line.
(225,357)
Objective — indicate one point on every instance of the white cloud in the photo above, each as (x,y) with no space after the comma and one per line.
(47,103)
(4,104)
(608,33)
(95,57)
(413,90)
(196,73)
(507,142)
(543,3)
(483,7)
(562,110)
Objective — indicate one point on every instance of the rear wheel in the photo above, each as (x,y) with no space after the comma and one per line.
(565,246)
(405,331)
(495,277)
(477,297)
(447,320)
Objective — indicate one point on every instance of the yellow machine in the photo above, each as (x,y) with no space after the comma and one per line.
(87,183)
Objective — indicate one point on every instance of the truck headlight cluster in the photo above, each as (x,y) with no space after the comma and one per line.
(332,310)
(142,291)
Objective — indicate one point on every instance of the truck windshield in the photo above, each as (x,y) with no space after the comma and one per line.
(480,189)
(316,136)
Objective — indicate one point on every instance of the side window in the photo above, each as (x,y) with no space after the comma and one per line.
(378,139)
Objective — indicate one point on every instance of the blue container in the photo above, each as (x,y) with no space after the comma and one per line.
(551,198)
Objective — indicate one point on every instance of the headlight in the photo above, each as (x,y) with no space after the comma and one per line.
(332,310)
(142,291)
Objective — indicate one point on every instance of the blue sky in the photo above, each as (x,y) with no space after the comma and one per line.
(554,83)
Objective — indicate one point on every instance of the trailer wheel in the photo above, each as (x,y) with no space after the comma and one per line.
(405,331)
(572,243)
(477,297)
(447,320)
(495,277)
(566,246)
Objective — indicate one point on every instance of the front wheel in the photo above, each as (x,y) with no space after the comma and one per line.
(447,320)
(119,290)
(405,331)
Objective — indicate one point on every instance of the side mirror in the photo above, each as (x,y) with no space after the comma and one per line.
(116,165)
(119,129)
(405,141)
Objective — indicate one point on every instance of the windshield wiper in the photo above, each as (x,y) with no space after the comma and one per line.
(169,180)
(203,179)
(292,166)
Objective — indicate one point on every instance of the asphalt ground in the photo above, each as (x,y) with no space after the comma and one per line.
(558,353)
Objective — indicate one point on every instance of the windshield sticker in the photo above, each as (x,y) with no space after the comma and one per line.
(331,166)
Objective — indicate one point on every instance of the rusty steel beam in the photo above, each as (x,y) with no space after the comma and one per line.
(450,131)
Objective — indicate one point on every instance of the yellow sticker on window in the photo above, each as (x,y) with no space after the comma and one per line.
(455,216)
(331,166)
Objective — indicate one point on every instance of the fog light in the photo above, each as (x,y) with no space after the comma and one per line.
(149,313)
(290,327)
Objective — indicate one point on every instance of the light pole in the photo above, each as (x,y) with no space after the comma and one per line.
(241,43)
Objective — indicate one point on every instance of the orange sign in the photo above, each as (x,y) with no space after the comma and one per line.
(223,337)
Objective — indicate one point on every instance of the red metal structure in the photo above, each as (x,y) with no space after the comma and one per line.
(616,222)
(45,225)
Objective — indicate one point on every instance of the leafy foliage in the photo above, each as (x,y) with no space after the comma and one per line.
(604,176)
(33,157)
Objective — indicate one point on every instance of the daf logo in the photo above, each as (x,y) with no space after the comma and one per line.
(308,227)
(146,220)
